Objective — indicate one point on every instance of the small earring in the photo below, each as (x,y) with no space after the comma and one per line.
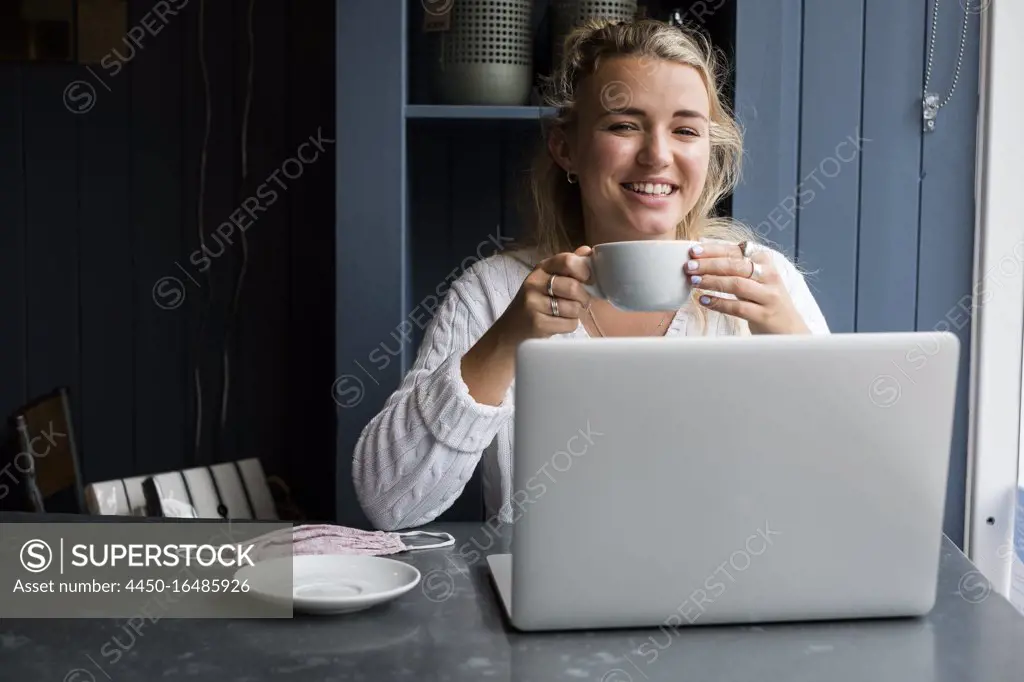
(571,177)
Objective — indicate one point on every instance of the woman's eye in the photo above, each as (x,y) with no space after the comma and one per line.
(617,127)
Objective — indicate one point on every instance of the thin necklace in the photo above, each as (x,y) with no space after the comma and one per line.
(600,331)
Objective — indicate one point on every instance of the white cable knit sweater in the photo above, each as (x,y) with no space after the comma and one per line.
(415,457)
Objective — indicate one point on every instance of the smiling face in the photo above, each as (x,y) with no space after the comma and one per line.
(640,147)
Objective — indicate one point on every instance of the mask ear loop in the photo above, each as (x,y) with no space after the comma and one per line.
(450,541)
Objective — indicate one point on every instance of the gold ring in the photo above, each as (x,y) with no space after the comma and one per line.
(551,286)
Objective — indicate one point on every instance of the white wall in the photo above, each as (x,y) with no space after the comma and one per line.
(999,319)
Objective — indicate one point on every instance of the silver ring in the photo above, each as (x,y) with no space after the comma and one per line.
(755,271)
(551,286)
(554,307)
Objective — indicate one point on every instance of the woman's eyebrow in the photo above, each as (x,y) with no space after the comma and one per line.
(633,111)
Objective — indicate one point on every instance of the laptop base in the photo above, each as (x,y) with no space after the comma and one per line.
(501,574)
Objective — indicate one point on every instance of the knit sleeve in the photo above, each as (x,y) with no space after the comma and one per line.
(414,458)
(801,294)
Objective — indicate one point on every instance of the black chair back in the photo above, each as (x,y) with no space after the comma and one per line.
(46,462)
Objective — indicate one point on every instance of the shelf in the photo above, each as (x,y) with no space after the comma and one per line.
(432,111)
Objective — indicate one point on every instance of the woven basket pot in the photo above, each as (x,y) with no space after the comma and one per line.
(486,58)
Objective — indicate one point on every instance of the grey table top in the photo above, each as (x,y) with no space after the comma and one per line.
(452,628)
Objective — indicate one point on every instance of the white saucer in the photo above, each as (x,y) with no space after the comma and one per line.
(330,584)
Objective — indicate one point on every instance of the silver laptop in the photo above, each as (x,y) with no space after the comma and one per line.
(692,481)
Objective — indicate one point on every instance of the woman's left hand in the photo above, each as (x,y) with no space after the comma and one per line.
(761,297)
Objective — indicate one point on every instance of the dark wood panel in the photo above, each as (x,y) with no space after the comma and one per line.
(220,199)
(196,97)
(477,192)
(154,79)
(430,234)
(828,194)
(767,104)
(105,424)
(519,144)
(890,158)
(13,361)
(312,196)
(52,245)
(112,185)
(259,352)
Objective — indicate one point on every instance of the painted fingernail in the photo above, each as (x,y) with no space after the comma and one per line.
(695,279)
(697,250)
(705,300)
(692,265)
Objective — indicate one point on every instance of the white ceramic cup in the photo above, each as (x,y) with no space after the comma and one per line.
(641,276)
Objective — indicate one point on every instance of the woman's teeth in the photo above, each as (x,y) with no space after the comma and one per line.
(649,188)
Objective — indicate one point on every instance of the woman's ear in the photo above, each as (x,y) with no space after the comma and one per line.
(561,152)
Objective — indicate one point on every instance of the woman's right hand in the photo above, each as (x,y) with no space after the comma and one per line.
(488,368)
(532,315)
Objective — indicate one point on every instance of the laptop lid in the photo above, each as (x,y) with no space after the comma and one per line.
(711,480)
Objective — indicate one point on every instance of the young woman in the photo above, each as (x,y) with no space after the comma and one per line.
(642,148)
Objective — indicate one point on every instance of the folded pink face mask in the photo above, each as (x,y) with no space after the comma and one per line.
(330,539)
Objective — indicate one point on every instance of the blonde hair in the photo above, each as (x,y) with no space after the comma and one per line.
(556,205)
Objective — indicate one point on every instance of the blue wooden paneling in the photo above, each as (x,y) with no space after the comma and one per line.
(890,160)
(945,260)
(837,174)
(768,59)
(829,188)
(370,249)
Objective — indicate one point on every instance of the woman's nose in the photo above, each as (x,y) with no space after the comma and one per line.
(655,151)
